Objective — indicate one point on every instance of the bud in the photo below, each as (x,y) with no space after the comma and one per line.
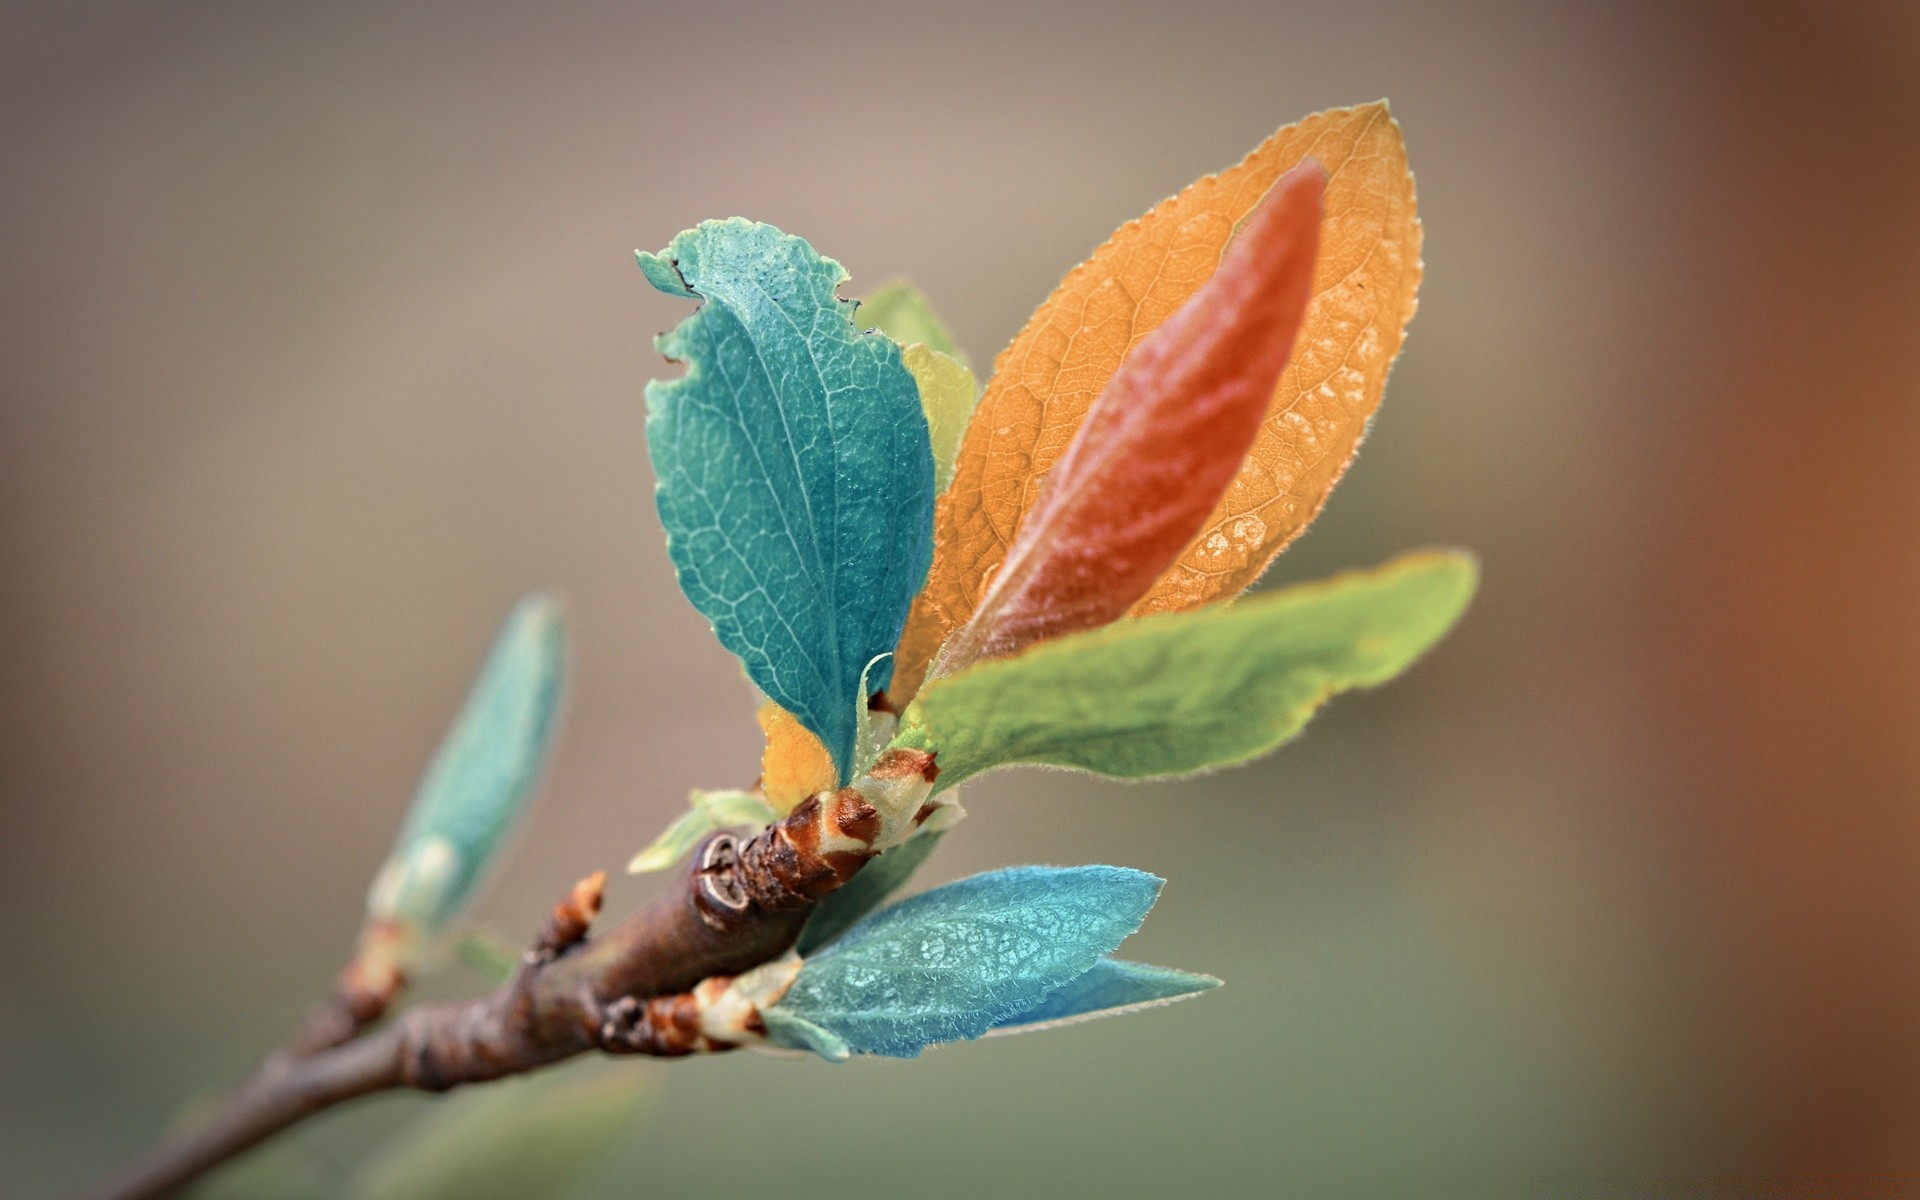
(478,782)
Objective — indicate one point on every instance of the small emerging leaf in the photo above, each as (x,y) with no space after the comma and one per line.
(951,963)
(487,955)
(1181,692)
(479,780)
(902,311)
(883,875)
(1160,445)
(539,1136)
(795,763)
(706,812)
(795,475)
(1111,989)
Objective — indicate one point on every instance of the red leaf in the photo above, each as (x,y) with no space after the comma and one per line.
(1162,442)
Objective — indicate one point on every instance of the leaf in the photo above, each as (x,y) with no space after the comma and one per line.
(797,1033)
(1161,443)
(1044,382)
(948,392)
(951,963)
(675,842)
(902,311)
(867,890)
(1181,692)
(539,1136)
(481,777)
(487,955)
(706,812)
(275,1171)
(795,764)
(1111,989)
(795,478)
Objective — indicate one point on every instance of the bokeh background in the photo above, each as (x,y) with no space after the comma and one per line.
(321,341)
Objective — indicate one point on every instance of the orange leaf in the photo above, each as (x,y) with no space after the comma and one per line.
(795,764)
(1160,445)
(1045,381)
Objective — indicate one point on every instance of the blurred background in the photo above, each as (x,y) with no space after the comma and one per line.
(321,341)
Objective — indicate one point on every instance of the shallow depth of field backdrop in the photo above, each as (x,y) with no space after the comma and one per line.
(321,340)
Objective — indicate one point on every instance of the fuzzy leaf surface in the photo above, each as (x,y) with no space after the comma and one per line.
(795,475)
(1111,989)
(1160,445)
(480,778)
(949,964)
(1182,692)
(1045,381)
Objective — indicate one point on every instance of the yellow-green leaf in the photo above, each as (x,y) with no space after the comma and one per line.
(948,392)
(1181,692)
(902,311)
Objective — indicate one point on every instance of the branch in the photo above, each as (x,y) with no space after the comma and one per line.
(739,904)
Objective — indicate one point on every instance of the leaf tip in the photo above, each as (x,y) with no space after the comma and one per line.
(663,272)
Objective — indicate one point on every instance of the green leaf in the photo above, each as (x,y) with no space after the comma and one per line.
(481,777)
(487,955)
(866,891)
(951,963)
(795,474)
(1110,989)
(1181,692)
(279,1170)
(948,392)
(532,1138)
(902,311)
(707,812)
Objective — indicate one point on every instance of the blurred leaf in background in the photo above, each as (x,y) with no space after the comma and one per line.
(479,781)
(539,1137)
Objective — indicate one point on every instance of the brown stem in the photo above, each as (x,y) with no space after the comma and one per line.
(740,904)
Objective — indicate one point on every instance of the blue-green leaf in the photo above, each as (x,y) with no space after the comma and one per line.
(482,775)
(866,891)
(795,472)
(1111,988)
(951,963)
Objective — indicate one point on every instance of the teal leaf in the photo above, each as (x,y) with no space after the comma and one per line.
(479,781)
(798,1033)
(1180,692)
(1110,989)
(867,890)
(542,1136)
(951,963)
(795,472)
